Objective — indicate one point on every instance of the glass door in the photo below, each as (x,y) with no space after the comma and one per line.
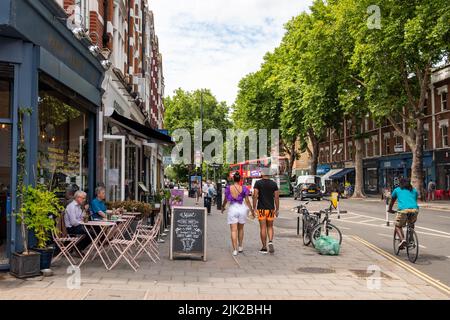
(115,167)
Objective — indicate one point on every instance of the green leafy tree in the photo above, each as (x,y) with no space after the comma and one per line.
(184,108)
(396,61)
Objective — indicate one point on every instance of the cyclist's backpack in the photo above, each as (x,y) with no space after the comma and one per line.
(327,246)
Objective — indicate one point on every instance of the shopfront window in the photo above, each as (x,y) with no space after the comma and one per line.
(63,142)
(371,180)
(5,98)
(131,172)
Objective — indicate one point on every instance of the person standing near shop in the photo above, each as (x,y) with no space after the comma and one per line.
(266,200)
(431,190)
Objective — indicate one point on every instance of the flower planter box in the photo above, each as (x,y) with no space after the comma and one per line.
(46,257)
(25,266)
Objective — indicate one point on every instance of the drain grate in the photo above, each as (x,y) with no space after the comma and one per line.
(365,274)
(316,270)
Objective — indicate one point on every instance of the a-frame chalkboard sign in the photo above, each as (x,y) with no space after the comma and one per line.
(188,233)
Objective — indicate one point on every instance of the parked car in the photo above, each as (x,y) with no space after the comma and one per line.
(308,191)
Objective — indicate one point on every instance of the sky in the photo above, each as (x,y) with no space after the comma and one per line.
(214,43)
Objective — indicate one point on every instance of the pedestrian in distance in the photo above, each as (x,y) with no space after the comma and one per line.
(431,190)
(266,198)
(196,191)
(236,194)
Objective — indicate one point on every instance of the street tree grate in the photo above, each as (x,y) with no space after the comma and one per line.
(366,274)
(316,270)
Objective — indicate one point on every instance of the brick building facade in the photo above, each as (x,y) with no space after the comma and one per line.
(124,33)
(386,156)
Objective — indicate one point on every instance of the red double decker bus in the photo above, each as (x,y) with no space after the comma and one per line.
(251,170)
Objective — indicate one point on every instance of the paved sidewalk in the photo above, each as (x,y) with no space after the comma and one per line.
(248,276)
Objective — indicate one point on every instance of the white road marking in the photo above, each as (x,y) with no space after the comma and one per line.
(433,230)
(384,226)
(417,227)
(421,246)
(345,228)
(368,220)
(444,217)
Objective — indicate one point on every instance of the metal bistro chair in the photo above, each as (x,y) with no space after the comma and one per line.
(124,249)
(147,240)
(65,242)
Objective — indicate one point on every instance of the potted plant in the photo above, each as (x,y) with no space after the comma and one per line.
(26,263)
(39,210)
(157,199)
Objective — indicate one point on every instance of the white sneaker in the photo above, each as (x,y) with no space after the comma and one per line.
(235,253)
(241,249)
(271,248)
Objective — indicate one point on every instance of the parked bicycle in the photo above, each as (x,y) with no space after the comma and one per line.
(313,227)
(412,241)
(308,222)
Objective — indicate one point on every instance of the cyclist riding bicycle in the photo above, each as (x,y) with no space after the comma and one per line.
(408,208)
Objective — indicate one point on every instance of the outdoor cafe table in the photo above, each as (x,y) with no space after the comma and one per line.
(97,245)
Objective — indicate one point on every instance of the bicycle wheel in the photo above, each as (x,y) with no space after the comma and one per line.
(412,245)
(306,225)
(331,231)
(396,244)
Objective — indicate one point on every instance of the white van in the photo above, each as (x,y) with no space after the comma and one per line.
(309,179)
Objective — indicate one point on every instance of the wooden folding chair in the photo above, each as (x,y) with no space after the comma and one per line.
(65,242)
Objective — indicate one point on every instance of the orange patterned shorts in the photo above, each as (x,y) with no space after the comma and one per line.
(264,214)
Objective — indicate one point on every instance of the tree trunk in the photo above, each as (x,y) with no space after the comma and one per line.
(359,175)
(314,152)
(291,159)
(417,160)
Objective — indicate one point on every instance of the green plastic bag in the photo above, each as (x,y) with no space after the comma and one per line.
(327,246)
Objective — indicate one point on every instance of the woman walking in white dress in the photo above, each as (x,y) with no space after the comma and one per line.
(237,212)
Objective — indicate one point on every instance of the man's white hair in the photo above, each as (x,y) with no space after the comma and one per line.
(79,193)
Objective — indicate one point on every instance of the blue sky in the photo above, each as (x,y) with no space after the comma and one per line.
(214,43)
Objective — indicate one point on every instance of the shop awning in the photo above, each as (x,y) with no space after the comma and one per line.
(327,175)
(153,135)
(341,173)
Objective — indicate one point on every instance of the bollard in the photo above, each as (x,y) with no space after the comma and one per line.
(387,211)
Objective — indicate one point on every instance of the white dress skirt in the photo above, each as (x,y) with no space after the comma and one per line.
(237,213)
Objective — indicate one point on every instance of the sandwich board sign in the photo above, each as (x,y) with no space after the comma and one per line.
(188,233)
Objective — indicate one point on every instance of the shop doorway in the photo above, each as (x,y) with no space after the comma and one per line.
(115,167)
(6,90)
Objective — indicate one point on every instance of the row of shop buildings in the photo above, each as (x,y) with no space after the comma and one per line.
(387,157)
(91,73)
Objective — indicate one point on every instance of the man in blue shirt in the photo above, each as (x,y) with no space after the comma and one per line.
(98,206)
(408,209)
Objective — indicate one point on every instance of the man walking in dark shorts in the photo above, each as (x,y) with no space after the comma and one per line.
(266,199)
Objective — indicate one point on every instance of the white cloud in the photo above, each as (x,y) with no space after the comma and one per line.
(213,44)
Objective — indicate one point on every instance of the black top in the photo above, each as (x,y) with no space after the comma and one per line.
(266,193)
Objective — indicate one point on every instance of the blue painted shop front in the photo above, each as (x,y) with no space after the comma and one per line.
(391,169)
(45,68)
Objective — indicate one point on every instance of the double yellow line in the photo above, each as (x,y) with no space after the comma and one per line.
(404,265)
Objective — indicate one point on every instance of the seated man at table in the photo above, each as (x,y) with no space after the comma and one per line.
(98,206)
(74,216)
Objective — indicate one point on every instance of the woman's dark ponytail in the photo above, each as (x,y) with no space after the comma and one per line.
(405,184)
(237,176)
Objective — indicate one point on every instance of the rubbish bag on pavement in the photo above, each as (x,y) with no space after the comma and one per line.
(327,246)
